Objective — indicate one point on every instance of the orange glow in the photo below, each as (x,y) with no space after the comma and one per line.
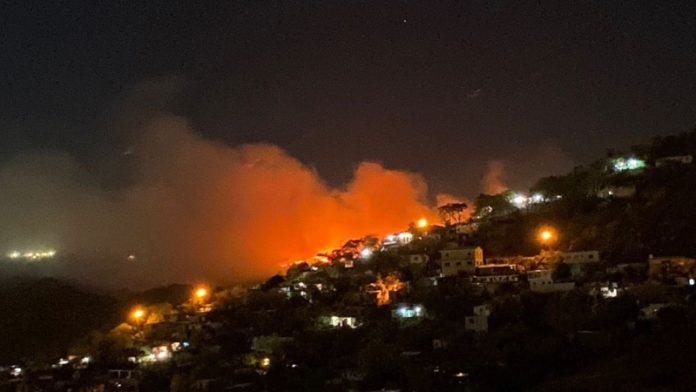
(205,210)
(137,314)
(201,293)
(389,284)
(422,223)
(547,235)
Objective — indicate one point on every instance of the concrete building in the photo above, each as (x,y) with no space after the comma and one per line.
(495,273)
(454,261)
(340,322)
(579,261)
(541,281)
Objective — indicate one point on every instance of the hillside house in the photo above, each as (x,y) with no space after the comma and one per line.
(454,261)
(579,261)
(541,281)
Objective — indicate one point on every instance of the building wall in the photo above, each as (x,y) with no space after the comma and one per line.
(454,261)
(541,281)
(590,256)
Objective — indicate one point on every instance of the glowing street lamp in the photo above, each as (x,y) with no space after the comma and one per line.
(422,223)
(137,314)
(547,235)
(201,293)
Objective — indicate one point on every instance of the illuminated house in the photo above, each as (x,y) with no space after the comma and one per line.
(406,311)
(454,261)
(627,164)
(495,273)
(397,239)
(340,322)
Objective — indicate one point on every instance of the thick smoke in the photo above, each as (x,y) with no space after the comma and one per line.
(198,209)
(494,179)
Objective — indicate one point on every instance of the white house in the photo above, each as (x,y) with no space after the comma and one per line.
(397,239)
(341,322)
(406,311)
(456,260)
(496,273)
(579,260)
(541,281)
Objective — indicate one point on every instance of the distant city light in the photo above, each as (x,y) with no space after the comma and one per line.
(692,281)
(422,223)
(366,253)
(32,255)
(131,257)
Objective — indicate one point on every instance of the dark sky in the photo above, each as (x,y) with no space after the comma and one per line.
(434,87)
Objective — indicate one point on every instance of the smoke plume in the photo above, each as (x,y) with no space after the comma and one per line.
(494,178)
(199,209)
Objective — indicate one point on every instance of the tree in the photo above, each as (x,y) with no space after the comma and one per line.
(452,212)
(495,205)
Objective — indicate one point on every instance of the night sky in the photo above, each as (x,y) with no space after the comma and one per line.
(172,141)
(437,89)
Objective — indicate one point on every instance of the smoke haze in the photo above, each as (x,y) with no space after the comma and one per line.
(198,209)
(494,179)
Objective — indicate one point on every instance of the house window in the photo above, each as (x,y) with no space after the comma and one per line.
(459,263)
(447,264)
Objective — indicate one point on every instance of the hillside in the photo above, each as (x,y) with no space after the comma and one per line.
(625,214)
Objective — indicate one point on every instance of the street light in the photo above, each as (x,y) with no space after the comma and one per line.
(137,314)
(422,223)
(201,293)
(547,235)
